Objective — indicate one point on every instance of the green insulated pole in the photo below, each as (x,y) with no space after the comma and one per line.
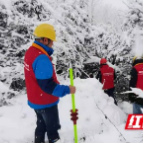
(73,105)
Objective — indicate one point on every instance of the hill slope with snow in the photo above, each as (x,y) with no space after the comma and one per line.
(77,38)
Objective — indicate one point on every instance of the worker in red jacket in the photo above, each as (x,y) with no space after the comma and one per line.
(136,81)
(42,85)
(106,76)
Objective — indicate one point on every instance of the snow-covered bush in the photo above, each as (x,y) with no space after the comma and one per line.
(78,39)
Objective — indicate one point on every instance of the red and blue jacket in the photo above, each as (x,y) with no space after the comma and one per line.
(43,88)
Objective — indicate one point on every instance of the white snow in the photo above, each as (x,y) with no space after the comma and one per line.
(18,121)
(116,3)
(3,88)
(137,48)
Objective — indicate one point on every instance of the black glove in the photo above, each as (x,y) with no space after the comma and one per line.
(139,101)
(132,97)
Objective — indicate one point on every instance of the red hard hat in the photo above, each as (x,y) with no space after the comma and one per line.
(103,61)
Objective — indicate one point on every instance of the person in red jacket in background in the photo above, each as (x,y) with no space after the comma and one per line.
(106,76)
(136,81)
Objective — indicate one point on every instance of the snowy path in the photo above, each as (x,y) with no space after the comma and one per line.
(17,121)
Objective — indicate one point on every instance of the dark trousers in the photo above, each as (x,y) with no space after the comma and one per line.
(110,93)
(47,121)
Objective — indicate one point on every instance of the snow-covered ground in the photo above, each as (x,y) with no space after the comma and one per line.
(18,120)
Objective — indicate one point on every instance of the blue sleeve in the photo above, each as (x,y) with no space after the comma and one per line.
(50,87)
(61,90)
(43,70)
(42,67)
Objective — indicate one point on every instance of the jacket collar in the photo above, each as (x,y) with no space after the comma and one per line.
(138,64)
(46,48)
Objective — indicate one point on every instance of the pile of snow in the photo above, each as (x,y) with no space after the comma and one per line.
(100,120)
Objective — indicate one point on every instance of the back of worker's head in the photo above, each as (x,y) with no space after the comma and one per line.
(137,60)
(103,61)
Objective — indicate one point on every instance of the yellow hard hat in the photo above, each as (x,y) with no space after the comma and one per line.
(134,58)
(45,31)
(137,57)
